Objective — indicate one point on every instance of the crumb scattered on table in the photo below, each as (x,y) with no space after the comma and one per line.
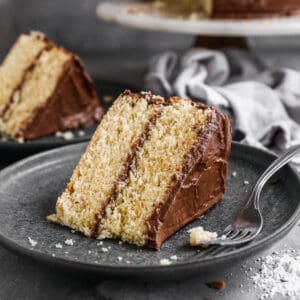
(246,182)
(58,246)
(218,284)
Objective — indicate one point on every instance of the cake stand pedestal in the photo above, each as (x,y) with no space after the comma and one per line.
(214,42)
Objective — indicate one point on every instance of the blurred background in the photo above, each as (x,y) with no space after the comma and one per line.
(111,51)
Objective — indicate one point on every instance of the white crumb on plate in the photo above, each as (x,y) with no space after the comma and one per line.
(246,182)
(199,235)
(32,242)
(234,174)
(81,133)
(120,258)
(108,98)
(73,231)
(100,243)
(174,257)
(53,255)
(165,262)
(127,262)
(104,249)
(69,242)
(120,243)
(58,246)
(89,252)
(68,135)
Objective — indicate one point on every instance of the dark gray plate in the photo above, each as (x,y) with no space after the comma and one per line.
(11,150)
(28,191)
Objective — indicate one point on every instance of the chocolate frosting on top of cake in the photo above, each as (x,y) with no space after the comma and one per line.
(258,8)
(201,183)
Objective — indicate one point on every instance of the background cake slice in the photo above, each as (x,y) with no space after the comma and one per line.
(150,168)
(19,60)
(45,89)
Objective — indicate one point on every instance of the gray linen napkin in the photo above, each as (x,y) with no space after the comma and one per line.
(263,104)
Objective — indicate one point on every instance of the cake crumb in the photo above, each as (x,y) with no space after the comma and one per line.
(120,243)
(32,242)
(73,231)
(68,135)
(69,242)
(234,174)
(53,255)
(120,258)
(165,262)
(81,133)
(100,243)
(104,249)
(174,257)
(246,182)
(198,235)
(217,284)
(58,246)
(108,98)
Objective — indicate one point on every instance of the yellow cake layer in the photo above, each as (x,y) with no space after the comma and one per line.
(19,59)
(101,166)
(153,170)
(39,85)
(186,7)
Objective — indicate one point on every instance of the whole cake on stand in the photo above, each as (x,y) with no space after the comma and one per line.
(230,8)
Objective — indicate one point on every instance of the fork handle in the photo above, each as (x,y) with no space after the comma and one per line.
(270,171)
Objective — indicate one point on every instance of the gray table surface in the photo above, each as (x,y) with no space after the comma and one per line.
(21,278)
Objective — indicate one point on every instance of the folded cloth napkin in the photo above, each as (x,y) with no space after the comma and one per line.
(263,103)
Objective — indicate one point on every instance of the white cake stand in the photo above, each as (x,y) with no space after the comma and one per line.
(139,15)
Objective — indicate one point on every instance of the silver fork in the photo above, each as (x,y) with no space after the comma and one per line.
(249,222)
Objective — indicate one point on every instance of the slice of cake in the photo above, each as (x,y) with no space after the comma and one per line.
(151,167)
(44,89)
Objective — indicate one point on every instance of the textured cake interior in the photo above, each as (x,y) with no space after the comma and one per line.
(40,82)
(100,168)
(152,172)
(20,58)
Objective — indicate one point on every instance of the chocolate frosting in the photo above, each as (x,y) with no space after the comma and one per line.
(73,104)
(251,8)
(199,186)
